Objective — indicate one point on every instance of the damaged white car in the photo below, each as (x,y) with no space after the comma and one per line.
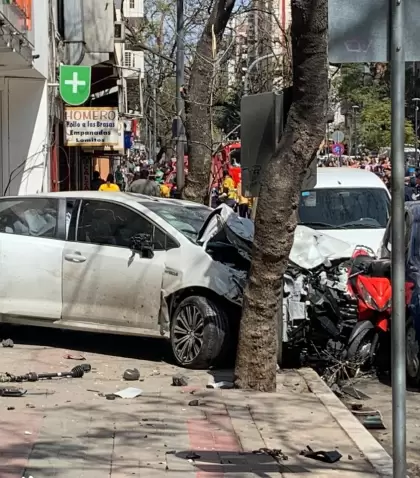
(127,264)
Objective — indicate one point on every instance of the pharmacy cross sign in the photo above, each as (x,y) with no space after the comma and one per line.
(75,84)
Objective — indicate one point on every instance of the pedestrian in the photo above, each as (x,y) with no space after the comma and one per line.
(96,181)
(119,178)
(144,185)
(110,185)
(243,202)
(228,190)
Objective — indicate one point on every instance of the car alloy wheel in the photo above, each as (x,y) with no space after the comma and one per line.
(188,334)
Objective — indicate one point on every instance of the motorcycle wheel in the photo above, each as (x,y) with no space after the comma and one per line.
(361,351)
(412,355)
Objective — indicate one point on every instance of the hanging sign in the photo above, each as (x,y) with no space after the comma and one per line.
(91,126)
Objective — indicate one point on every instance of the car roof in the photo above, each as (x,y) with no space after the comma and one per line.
(118,196)
(347,178)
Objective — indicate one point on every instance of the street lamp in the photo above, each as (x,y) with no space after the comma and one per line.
(416,141)
(356,149)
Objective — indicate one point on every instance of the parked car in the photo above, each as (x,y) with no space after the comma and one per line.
(120,263)
(350,204)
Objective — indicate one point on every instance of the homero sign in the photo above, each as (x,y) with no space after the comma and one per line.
(75,84)
(91,126)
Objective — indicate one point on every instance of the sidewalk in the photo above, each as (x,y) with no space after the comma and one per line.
(73,432)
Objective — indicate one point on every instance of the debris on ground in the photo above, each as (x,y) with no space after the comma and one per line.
(74,357)
(354,392)
(223,385)
(131,374)
(7,343)
(75,372)
(274,453)
(129,392)
(370,419)
(192,456)
(12,392)
(325,456)
(179,380)
(193,403)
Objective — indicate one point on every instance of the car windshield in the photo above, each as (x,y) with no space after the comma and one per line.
(186,219)
(358,208)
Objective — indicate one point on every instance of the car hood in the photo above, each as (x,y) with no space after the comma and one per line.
(310,248)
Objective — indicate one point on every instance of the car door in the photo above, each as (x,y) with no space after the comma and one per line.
(31,248)
(104,282)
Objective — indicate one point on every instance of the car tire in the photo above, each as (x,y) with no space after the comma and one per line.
(412,355)
(204,344)
(355,353)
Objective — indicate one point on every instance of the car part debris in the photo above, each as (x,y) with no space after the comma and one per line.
(354,392)
(374,422)
(274,453)
(7,343)
(129,392)
(75,372)
(371,419)
(325,456)
(179,380)
(192,456)
(193,403)
(12,392)
(223,385)
(131,374)
(74,357)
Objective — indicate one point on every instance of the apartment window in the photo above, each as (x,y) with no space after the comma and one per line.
(128,59)
(132,4)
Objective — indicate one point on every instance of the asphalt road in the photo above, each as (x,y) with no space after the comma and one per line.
(381,399)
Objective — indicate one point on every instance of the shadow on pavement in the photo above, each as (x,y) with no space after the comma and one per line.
(151,436)
(152,349)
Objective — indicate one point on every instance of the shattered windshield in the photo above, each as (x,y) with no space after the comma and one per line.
(186,219)
(358,208)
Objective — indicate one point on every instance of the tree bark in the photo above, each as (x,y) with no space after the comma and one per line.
(197,104)
(278,201)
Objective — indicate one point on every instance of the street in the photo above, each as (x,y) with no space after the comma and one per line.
(67,428)
(381,399)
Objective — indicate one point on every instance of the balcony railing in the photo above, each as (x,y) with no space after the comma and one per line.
(17,15)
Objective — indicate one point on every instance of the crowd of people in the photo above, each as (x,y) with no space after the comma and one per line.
(381,166)
(159,180)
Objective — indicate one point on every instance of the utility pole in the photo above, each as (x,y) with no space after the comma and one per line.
(416,126)
(180,57)
(398,258)
(356,148)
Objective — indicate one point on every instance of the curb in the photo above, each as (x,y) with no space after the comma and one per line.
(365,442)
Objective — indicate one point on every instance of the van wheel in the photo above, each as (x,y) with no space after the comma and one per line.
(199,333)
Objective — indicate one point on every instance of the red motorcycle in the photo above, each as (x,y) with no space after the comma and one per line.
(370,283)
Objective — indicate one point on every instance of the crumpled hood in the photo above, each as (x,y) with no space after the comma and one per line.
(310,247)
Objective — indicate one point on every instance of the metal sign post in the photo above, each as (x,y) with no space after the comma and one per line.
(398,243)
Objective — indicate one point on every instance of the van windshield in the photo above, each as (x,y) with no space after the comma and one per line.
(358,208)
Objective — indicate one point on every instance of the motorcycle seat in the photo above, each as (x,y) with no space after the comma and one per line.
(380,268)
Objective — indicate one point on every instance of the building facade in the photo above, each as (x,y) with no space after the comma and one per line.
(25,136)
(36,36)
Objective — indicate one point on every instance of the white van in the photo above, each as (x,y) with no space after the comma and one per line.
(349,204)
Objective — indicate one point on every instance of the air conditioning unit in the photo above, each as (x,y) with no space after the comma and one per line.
(119,32)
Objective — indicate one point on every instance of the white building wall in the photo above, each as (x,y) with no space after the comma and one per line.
(25,138)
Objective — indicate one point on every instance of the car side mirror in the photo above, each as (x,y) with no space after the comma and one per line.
(143,244)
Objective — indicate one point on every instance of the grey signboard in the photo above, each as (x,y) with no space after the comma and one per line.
(263,119)
(359,31)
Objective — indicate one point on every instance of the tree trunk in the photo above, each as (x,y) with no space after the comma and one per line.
(279,197)
(197,104)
